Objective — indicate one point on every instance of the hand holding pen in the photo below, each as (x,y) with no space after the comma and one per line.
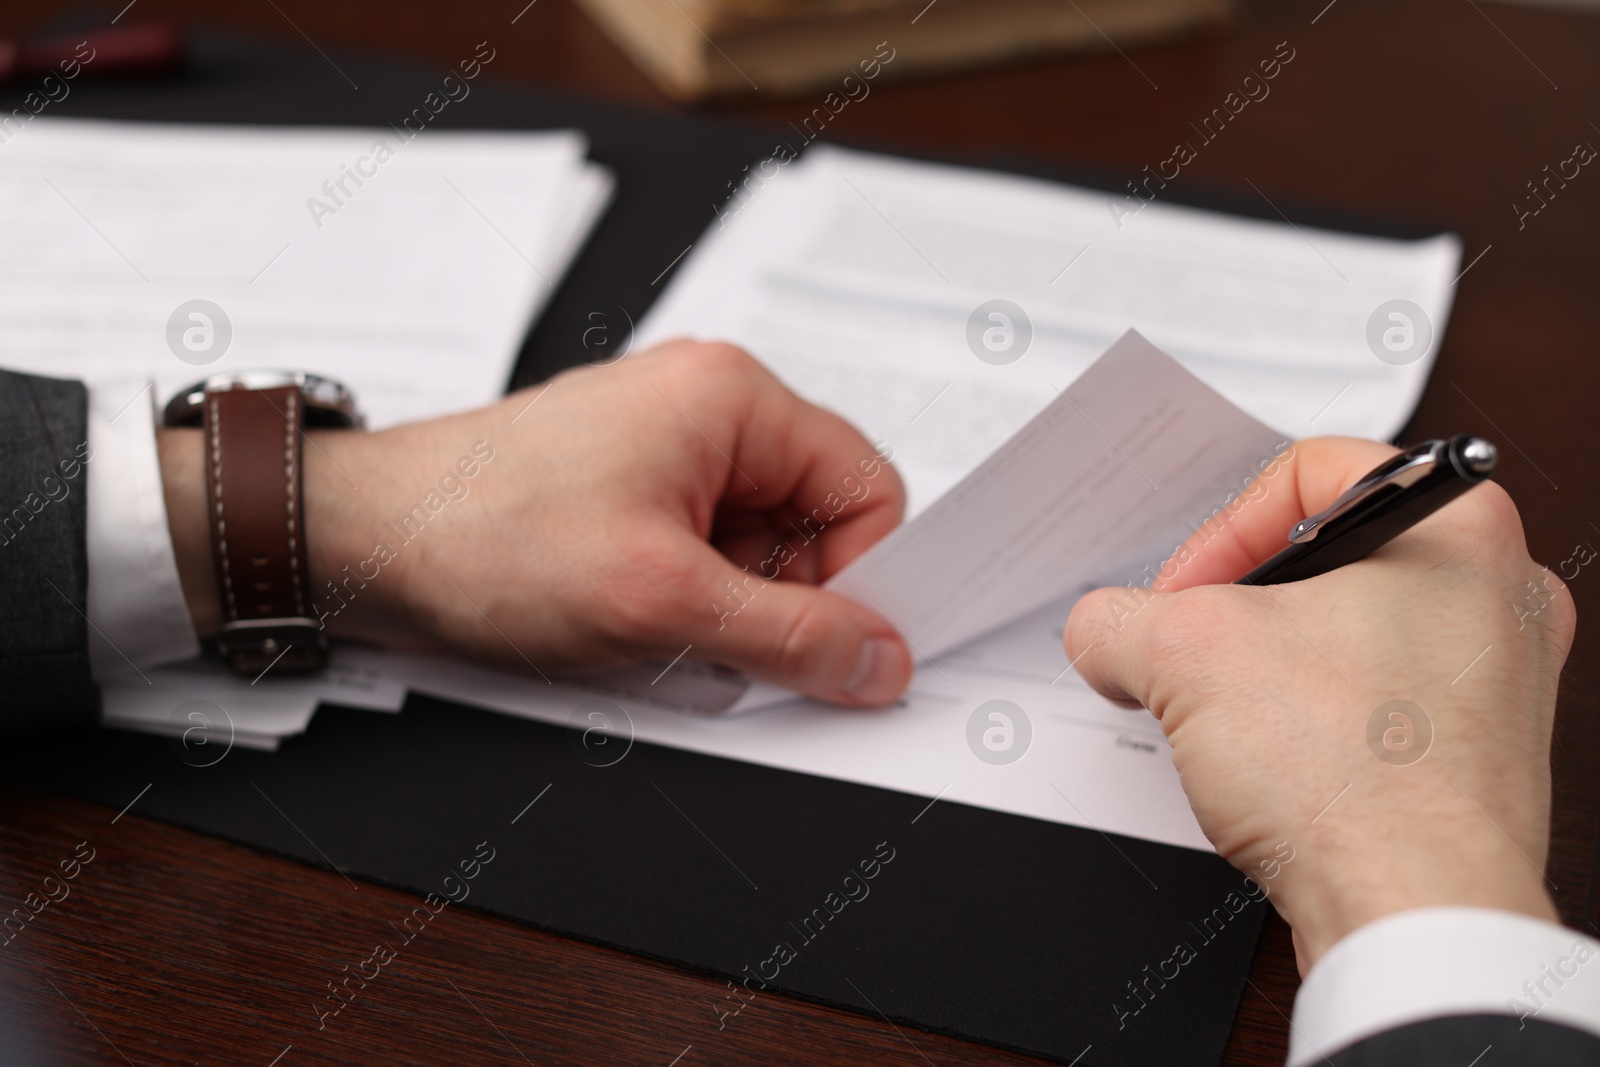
(1392,498)
(1386,725)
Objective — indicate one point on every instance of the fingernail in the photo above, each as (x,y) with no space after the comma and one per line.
(875,678)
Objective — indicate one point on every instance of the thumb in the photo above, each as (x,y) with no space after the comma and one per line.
(1107,638)
(803,638)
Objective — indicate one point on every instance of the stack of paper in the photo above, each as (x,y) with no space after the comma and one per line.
(408,265)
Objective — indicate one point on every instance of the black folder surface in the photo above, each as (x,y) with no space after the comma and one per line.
(1044,938)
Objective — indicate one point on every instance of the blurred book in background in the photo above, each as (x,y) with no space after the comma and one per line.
(700,48)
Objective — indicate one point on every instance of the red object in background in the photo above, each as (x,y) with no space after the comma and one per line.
(145,48)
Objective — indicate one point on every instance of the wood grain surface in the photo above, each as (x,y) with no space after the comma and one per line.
(173,948)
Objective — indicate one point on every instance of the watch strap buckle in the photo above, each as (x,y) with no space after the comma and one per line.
(289,645)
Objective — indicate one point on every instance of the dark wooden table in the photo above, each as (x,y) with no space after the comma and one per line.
(174,948)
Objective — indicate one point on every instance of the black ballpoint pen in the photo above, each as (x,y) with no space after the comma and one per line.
(1390,500)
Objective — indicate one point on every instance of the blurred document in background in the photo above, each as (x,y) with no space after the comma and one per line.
(869,284)
(409,269)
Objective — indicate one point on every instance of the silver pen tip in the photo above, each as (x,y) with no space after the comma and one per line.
(1479,455)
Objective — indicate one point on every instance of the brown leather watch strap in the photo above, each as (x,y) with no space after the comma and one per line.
(253,449)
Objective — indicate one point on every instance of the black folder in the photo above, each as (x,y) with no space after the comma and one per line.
(1063,942)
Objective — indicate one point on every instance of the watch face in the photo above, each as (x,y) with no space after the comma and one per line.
(329,405)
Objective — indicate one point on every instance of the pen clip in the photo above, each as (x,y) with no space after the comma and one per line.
(1406,469)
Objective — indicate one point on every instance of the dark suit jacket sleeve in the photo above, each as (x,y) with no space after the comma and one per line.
(44,578)
(1479,1040)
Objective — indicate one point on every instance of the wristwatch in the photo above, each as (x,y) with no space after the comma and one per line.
(254,423)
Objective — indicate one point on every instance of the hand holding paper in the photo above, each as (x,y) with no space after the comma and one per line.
(530,534)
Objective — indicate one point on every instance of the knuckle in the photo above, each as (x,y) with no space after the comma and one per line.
(1564,621)
(1563,610)
(709,376)
(647,593)
(1489,514)
(713,359)
(729,359)
(1187,621)
(1544,605)
(1158,628)
(803,649)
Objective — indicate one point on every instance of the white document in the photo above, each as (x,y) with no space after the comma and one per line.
(853,277)
(1104,483)
(1088,763)
(415,287)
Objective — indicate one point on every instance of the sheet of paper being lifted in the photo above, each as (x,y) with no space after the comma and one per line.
(861,280)
(1098,488)
(1102,484)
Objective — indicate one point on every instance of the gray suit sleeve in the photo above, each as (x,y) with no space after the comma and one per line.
(1480,1040)
(45,679)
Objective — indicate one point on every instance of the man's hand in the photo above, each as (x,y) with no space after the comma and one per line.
(616,513)
(1274,701)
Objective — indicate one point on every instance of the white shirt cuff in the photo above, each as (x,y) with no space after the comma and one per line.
(136,608)
(1435,962)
